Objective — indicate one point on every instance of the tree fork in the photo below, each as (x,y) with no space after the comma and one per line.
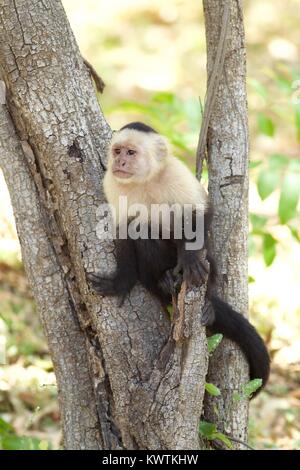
(131,385)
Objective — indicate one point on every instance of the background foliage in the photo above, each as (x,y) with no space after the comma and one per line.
(151,54)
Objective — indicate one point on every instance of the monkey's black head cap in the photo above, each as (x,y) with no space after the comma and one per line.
(139,126)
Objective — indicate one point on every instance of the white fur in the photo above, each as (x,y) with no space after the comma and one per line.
(170,181)
(152,147)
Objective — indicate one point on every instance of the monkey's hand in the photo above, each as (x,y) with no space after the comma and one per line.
(170,282)
(108,286)
(101,285)
(195,271)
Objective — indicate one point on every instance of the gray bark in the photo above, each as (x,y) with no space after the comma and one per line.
(52,294)
(123,381)
(227,147)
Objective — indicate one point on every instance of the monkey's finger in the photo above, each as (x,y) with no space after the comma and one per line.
(103,286)
(91,277)
(167,283)
(198,273)
(177,269)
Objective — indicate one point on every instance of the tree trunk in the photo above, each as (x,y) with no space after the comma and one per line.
(227,146)
(123,381)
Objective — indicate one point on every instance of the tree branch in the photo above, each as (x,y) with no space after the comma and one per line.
(97,79)
(68,346)
(212,88)
(148,390)
(227,139)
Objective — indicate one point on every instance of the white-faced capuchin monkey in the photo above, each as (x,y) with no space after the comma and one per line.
(142,168)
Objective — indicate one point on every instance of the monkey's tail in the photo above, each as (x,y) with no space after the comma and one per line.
(237,328)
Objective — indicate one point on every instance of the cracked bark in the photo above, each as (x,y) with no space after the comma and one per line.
(227,148)
(47,279)
(123,383)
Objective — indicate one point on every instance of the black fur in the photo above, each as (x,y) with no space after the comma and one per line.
(139,126)
(237,328)
(151,262)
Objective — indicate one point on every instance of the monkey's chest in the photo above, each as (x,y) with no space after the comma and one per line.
(158,255)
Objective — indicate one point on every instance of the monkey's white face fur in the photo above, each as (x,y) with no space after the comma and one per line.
(136,157)
(142,168)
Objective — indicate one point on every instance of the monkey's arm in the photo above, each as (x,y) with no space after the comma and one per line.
(126,274)
(193,268)
(190,259)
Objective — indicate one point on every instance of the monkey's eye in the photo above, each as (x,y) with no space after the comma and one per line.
(131,152)
(117,151)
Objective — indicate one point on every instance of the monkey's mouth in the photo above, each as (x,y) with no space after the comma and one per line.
(122,174)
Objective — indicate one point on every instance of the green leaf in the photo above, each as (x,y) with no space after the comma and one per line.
(170,309)
(221,437)
(251,387)
(265,125)
(289,196)
(213,342)
(284,83)
(5,427)
(294,165)
(164,97)
(257,221)
(210,432)
(255,164)
(295,233)
(278,161)
(207,429)
(212,389)
(259,88)
(43,445)
(13,442)
(297,120)
(251,279)
(269,248)
(268,180)
(10,441)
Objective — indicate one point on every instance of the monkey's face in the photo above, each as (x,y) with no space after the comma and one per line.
(126,161)
(135,157)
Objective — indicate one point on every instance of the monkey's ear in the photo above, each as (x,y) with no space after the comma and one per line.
(162,147)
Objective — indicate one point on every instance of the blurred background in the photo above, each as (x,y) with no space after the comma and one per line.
(151,55)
